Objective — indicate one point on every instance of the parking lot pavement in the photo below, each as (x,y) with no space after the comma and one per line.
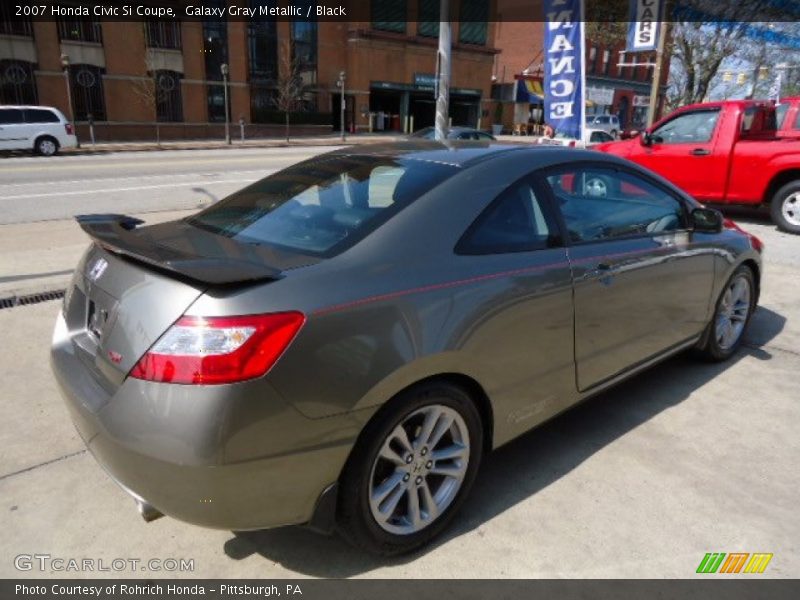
(641,481)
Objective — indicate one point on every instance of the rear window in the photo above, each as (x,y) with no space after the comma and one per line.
(325,206)
(38,115)
(10,116)
(780,113)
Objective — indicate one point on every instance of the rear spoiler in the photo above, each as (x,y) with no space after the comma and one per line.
(116,234)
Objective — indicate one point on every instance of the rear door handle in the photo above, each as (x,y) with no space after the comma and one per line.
(700,152)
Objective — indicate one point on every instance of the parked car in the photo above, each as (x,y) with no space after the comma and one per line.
(607,123)
(41,129)
(340,343)
(724,153)
(787,113)
(591,138)
(454,133)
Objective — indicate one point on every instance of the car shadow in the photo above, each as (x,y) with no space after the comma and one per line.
(526,465)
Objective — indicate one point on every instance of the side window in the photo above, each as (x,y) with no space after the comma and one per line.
(600,203)
(514,222)
(10,116)
(688,128)
(797,121)
(38,115)
(780,113)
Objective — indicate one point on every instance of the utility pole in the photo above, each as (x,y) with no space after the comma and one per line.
(654,89)
(65,66)
(340,85)
(443,72)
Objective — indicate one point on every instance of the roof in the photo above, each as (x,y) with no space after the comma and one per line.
(451,152)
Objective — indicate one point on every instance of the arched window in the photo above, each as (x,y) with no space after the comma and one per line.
(169,105)
(86,83)
(17,82)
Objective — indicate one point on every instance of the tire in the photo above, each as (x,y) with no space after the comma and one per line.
(785,207)
(375,506)
(46,146)
(714,346)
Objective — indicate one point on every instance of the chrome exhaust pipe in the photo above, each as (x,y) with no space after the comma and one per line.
(148,511)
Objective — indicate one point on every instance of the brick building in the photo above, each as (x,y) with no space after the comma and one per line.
(131,75)
(623,91)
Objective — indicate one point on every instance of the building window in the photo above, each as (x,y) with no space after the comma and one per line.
(473,27)
(262,46)
(606,61)
(216,102)
(10,24)
(591,67)
(79,31)
(169,104)
(17,83)
(428,18)
(86,83)
(389,15)
(163,34)
(304,56)
(263,102)
(215,42)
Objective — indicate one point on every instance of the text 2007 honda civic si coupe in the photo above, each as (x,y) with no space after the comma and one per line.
(341,342)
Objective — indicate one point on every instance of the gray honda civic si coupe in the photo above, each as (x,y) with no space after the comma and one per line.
(339,343)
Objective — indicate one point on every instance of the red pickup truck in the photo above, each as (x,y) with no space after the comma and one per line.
(724,153)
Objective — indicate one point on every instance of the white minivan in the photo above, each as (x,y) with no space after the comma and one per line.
(42,129)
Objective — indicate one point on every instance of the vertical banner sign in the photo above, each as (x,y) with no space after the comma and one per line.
(643,25)
(564,67)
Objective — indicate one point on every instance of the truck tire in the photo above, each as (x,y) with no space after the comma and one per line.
(785,207)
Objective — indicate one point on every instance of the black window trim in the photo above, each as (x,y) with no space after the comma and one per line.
(543,195)
(544,173)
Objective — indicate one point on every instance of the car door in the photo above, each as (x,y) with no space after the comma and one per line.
(522,330)
(12,134)
(640,284)
(683,151)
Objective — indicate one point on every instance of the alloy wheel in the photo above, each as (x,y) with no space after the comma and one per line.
(47,147)
(733,312)
(419,469)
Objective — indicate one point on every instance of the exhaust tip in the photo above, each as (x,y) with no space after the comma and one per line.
(148,511)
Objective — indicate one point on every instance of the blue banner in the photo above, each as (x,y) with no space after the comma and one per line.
(643,25)
(564,67)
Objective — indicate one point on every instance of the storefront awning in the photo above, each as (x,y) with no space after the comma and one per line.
(530,91)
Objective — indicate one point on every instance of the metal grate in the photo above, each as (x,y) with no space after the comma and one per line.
(13,301)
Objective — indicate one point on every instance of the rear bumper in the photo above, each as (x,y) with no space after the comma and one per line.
(232,457)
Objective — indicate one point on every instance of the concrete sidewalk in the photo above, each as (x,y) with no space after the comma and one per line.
(219,144)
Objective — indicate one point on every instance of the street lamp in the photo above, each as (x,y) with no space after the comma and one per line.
(65,67)
(224,69)
(340,85)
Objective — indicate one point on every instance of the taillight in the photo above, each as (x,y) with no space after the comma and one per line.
(70,129)
(214,350)
(572,144)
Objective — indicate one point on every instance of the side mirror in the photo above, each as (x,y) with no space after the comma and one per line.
(707,220)
(646,138)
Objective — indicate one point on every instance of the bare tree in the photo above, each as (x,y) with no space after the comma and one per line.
(289,84)
(148,91)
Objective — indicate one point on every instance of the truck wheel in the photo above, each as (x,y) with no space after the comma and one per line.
(785,207)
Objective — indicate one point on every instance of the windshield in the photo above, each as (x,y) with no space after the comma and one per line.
(324,206)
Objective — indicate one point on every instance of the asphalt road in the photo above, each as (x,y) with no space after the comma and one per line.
(34,188)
